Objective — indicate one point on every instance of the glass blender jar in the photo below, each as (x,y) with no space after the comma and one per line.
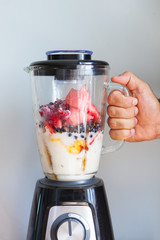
(70,100)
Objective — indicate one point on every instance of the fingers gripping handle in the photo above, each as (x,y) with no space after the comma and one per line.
(115,86)
(114,144)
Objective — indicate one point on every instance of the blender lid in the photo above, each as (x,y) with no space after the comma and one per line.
(69,59)
(69,54)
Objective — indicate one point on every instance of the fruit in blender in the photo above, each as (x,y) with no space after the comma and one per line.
(71,131)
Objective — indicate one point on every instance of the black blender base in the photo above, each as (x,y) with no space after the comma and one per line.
(75,194)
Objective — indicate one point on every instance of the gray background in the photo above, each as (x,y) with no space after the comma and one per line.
(124,33)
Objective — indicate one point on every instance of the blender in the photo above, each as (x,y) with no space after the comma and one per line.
(69,93)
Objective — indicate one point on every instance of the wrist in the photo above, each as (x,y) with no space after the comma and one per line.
(158,122)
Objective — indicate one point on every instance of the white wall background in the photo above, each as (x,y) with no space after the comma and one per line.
(125,33)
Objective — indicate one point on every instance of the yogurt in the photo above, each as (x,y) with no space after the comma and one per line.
(66,156)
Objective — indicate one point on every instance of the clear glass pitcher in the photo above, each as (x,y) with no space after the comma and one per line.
(70,100)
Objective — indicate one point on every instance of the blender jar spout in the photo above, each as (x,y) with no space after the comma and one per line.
(28,69)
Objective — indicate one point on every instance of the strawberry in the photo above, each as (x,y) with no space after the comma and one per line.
(92,110)
(77,117)
(50,128)
(81,100)
(56,121)
(58,124)
(78,98)
(89,117)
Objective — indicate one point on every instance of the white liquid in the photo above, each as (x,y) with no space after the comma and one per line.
(58,163)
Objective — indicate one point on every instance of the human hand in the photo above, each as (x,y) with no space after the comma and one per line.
(133,118)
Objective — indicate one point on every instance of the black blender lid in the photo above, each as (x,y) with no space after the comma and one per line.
(68,59)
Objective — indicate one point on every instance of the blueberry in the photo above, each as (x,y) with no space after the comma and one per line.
(90,124)
(81,126)
(98,126)
(41,125)
(71,128)
(75,137)
(63,130)
(75,129)
(82,130)
(94,129)
(91,135)
(58,130)
(82,136)
(51,103)
(69,134)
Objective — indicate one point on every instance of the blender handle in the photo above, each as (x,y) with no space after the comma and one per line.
(116,143)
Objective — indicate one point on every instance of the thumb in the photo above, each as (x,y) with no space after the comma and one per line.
(129,80)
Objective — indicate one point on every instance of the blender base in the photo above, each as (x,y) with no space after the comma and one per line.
(70,210)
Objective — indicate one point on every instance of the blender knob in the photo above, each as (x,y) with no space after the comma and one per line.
(70,226)
(71,229)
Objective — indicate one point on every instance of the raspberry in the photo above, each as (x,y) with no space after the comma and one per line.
(41,113)
(60,111)
(55,112)
(67,113)
(54,118)
(45,112)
